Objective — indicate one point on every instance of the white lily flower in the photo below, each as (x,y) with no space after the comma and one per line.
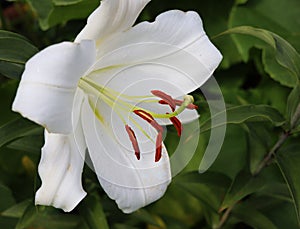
(108,93)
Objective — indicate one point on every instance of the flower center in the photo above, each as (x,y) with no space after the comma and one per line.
(122,102)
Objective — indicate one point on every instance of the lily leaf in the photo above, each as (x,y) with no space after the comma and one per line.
(47,218)
(252,217)
(17,128)
(92,212)
(288,161)
(65,2)
(293,105)
(30,144)
(208,178)
(243,185)
(52,13)
(15,50)
(201,186)
(241,114)
(285,54)
(7,199)
(16,211)
(259,142)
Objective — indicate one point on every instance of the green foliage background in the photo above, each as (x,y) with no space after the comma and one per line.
(255,181)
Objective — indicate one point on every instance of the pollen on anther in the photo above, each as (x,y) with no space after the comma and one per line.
(148,117)
(179,103)
(167,98)
(158,152)
(134,142)
(177,124)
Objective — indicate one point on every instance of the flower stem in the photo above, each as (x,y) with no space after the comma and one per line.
(225,217)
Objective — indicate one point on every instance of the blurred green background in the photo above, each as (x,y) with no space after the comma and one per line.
(255,181)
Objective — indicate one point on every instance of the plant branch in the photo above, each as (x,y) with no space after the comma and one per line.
(225,216)
(283,137)
(268,158)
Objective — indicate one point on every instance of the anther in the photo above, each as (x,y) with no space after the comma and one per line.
(134,142)
(179,103)
(148,117)
(167,98)
(177,125)
(158,146)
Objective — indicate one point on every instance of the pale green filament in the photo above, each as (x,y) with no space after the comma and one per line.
(120,102)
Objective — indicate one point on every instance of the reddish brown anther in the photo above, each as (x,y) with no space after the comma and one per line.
(179,103)
(158,152)
(148,117)
(134,142)
(177,125)
(166,98)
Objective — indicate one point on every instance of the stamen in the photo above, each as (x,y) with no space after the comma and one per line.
(167,98)
(158,146)
(149,118)
(134,142)
(178,103)
(177,125)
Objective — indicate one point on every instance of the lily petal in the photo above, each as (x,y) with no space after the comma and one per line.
(130,182)
(60,170)
(46,91)
(110,17)
(174,47)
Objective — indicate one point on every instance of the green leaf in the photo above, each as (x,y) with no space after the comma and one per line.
(46,218)
(269,16)
(276,190)
(201,186)
(65,2)
(207,178)
(92,212)
(281,17)
(288,161)
(30,144)
(241,114)
(209,197)
(188,209)
(16,211)
(259,144)
(16,129)
(7,199)
(252,217)
(293,107)
(285,54)
(243,185)
(52,13)
(231,148)
(15,50)
(7,93)
(144,216)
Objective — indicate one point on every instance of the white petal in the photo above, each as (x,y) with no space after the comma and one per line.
(132,183)
(46,91)
(110,17)
(61,166)
(60,170)
(174,49)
